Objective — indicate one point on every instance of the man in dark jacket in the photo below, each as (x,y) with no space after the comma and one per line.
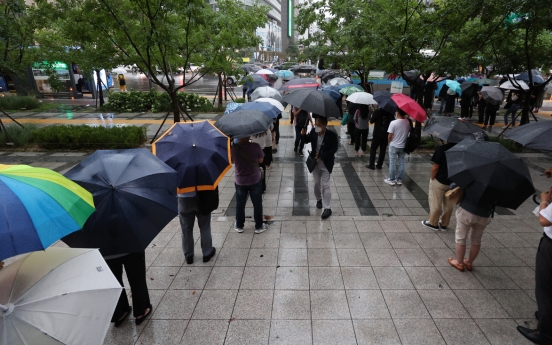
(324,146)
(381,120)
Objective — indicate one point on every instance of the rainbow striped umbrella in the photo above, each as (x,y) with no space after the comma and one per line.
(38,207)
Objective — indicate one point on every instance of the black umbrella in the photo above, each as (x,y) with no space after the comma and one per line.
(469,88)
(537,76)
(492,95)
(450,129)
(489,173)
(135,197)
(536,135)
(385,101)
(243,123)
(411,75)
(254,81)
(315,101)
(300,83)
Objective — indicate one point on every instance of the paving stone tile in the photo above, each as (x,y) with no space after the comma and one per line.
(325,278)
(258,278)
(215,305)
(413,257)
(225,278)
(493,278)
(329,305)
(205,332)
(429,240)
(443,304)
(376,332)
(500,331)
(176,305)
(516,302)
(293,240)
(367,304)
(393,278)
(502,257)
(480,304)
(461,332)
(393,226)
(376,240)
(347,240)
(318,226)
(352,257)
(191,278)
(294,226)
(459,280)
(169,257)
(383,257)
(262,257)
(439,256)
(527,255)
(292,257)
(253,305)
(333,332)
(291,304)
(426,278)
(405,304)
(268,239)
(510,239)
(524,277)
(323,257)
(292,278)
(162,332)
(368,226)
(159,278)
(359,278)
(232,257)
(320,240)
(248,332)
(237,240)
(402,240)
(290,332)
(418,332)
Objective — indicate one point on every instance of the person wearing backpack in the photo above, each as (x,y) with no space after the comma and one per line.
(381,120)
(398,132)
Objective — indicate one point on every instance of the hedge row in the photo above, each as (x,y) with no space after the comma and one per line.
(154,101)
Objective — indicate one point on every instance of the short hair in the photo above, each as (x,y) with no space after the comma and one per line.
(401,112)
(323,119)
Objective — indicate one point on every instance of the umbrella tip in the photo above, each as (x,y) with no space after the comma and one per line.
(112,187)
(194,145)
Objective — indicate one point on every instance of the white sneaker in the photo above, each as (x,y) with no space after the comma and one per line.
(262,229)
(240,230)
(390,182)
(399,182)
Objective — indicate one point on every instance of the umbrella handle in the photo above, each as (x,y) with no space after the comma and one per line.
(535,199)
(3,308)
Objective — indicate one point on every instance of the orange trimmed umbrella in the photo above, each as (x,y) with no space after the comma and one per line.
(199,153)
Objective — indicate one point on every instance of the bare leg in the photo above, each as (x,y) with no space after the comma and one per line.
(474,251)
(460,253)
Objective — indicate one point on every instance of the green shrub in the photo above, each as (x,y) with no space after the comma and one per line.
(135,101)
(20,136)
(510,145)
(88,138)
(18,102)
(239,100)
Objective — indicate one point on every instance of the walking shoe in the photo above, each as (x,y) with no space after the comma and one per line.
(426,224)
(532,335)
(399,182)
(327,212)
(274,150)
(319,204)
(208,257)
(379,167)
(189,260)
(263,228)
(390,182)
(442,227)
(240,230)
(295,150)
(371,167)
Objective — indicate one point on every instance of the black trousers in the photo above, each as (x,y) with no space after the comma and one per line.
(481,113)
(380,142)
(277,130)
(543,288)
(490,117)
(351,129)
(361,137)
(135,268)
(298,141)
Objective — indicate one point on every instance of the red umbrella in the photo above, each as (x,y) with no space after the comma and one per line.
(409,106)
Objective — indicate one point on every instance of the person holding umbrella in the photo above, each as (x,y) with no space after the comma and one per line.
(381,118)
(481,104)
(443,97)
(362,116)
(352,108)
(513,106)
(300,119)
(490,116)
(324,146)
(397,136)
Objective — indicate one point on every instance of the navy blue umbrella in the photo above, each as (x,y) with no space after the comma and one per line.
(254,81)
(267,108)
(537,76)
(198,152)
(135,197)
(385,101)
(332,91)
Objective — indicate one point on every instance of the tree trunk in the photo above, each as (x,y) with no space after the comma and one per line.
(175,106)
(100,89)
(220,90)
(525,109)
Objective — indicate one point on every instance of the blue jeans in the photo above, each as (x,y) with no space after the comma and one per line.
(514,107)
(395,152)
(256,193)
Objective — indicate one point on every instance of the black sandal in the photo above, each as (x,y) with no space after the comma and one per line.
(141,319)
(123,318)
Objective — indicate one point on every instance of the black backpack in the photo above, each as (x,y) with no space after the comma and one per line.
(413,140)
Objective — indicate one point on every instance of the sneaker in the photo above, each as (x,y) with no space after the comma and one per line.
(399,182)
(390,182)
(263,228)
(427,225)
(442,227)
(240,230)
(319,204)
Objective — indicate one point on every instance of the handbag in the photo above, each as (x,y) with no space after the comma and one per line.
(455,195)
(311,162)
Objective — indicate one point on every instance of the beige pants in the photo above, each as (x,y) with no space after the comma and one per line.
(439,206)
(467,222)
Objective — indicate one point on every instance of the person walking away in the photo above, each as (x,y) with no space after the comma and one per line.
(512,107)
(490,116)
(339,104)
(135,269)
(324,146)
(440,208)
(265,141)
(539,100)
(397,136)
(351,109)
(300,119)
(429,96)
(247,158)
(362,116)
(543,275)
(481,104)
(471,219)
(276,132)
(381,120)
(465,104)
(443,97)
(122,83)
(449,104)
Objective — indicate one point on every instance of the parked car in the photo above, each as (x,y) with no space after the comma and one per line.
(304,69)
(250,68)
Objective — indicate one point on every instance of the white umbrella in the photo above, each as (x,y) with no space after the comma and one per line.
(338,81)
(508,85)
(266,92)
(264,71)
(57,296)
(119,70)
(361,98)
(272,101)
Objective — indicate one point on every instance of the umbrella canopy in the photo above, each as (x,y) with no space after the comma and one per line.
(349,90)
(453,85)
(135,196)
(300,83)
(337,81)
(492,95)
(412,75)
(516,85)
(267,108)
(469,88)
(230,107)
(537,76)
(342,86)
(315,101)
(254,81)
(489,173)
(362,98)
(198,152)
(38,207)
(59,296)
(535,135)
(266,92)
(244,123)
(272,101)
(119,70)
(384,100)
(273,70)
(285,74)
(409,106)
(332,91)
(451,129)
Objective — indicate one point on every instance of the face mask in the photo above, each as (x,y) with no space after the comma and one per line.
(317,129)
